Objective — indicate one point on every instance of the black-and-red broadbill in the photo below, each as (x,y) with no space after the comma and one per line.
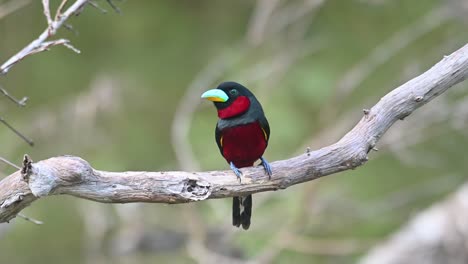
(242,134)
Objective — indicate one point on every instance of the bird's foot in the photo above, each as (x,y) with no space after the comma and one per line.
(267,167)
(236,171)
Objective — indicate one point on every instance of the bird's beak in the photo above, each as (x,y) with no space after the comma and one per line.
(215,95)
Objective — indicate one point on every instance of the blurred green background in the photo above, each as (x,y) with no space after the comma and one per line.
(130,101)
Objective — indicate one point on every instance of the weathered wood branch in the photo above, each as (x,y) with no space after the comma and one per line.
(74,176)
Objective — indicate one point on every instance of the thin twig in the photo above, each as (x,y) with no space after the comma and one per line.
(116,9)
(30,219)
(67,44)
(21,102)
(98,7)
(48,44)
(27,140)
(259,20)
(58,14)
(10,163)
(46,7)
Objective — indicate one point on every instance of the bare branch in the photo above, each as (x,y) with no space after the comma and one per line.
(9,163)
(74,176)
(29,141)
(41,43)
(30,219)
(21,102)
(98,7)
(48,44)
(116,9)
(46,7)
(60,10)
(259,20)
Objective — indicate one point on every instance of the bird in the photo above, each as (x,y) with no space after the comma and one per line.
(242,133)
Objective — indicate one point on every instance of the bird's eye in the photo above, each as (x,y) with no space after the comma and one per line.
(233,92)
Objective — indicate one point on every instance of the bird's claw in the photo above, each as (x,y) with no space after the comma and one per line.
(267,167)
(236,171)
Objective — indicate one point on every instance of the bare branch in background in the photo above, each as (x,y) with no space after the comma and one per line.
(41,44)
(259,20)
(30,219)
(291,13)
(26,139)
(21,102)
(74,176)
(98,7)
(48,44)
(46,8)
(60,9)
(10,163)
(116,9)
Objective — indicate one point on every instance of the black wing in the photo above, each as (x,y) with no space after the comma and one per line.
(265,127)
(219,139)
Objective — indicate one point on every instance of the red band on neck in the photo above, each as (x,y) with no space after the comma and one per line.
(239,106)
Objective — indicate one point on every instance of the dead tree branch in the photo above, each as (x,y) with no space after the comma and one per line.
(74,176)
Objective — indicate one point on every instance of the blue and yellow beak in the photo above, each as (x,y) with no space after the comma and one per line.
(215,95)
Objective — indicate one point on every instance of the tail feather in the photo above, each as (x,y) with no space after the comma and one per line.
(242,211)
(236,217)
(246,214)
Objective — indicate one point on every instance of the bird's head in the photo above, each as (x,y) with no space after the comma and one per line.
(230,98)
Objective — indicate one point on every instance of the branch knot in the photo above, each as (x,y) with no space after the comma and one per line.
(27,167)
(196,189)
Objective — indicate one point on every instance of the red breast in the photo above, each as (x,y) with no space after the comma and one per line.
(243,144)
